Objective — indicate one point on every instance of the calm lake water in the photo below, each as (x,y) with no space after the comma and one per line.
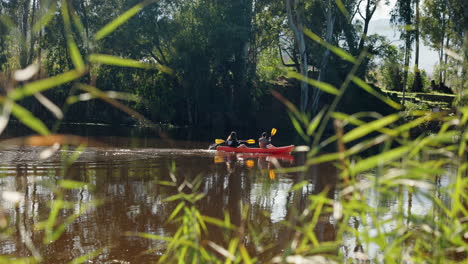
(125,179)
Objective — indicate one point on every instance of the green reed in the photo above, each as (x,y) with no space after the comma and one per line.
(403,168)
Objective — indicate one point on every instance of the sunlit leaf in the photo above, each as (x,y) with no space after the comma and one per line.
(369,89)
(5,115)
(381,158)
(245,255)
(87,257)
(298,127)
(49,152)
(326,87)
(103,96)
(291,107)
(369,127)
(15,260)
(315,122)
(176,211)
(54,109)
(342,8)
(109,28)
(70,184)
(117,61)
(42,85)
(150,236)
(298,186)
(75,55)
(27,118)
(77,21)
(70,159)
(217,222)
(339,52)
(166,183)
(46,17)
(26,73)
(323,158)
(416,122)
(72,47)
(222,251)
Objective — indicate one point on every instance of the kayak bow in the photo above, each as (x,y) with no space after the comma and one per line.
(270,150)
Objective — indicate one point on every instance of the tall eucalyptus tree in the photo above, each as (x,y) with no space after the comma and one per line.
(296,24)
(402,15)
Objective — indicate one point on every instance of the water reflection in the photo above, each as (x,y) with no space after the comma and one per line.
(126,181)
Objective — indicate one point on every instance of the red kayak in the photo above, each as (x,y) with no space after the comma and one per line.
(270,150)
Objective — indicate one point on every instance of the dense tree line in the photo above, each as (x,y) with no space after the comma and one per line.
(226,56)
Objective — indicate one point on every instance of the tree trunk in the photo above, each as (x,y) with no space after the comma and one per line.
(316,93)
(405,72)
(295,22)
(441,51)
(23,59)
(31,35)
(370,10)
(85,23)
(243,101)
(445,61)
(417,83)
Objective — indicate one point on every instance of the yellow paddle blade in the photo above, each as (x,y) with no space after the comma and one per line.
(218,159)
(272,174)
(273,131)
(250,163)
(219,141)
(250,141)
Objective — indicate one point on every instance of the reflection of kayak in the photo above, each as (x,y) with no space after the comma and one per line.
(270,150)
(281,156)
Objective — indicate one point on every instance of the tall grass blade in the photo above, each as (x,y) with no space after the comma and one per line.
(382,158)
(54,109)
(5,115)
(117,61)
(72,47)
(45,84)
(315,122)
(45,19)
(87,257)
(326,87)
(70,184)
(103,96)
(110,27)
(369,89)
(339,52)
(298,127)
(370,127)
(11,260)
(342,8)
(26,117)
(75,55)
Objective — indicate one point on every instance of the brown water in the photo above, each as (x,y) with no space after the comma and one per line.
(125,178)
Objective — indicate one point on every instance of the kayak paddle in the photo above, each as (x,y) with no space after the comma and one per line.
(249,141)
(273,131)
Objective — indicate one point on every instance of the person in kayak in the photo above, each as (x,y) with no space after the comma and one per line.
(264,141)
(233,142)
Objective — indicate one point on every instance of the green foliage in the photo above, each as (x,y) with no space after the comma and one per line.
(392,70)
(202,45)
